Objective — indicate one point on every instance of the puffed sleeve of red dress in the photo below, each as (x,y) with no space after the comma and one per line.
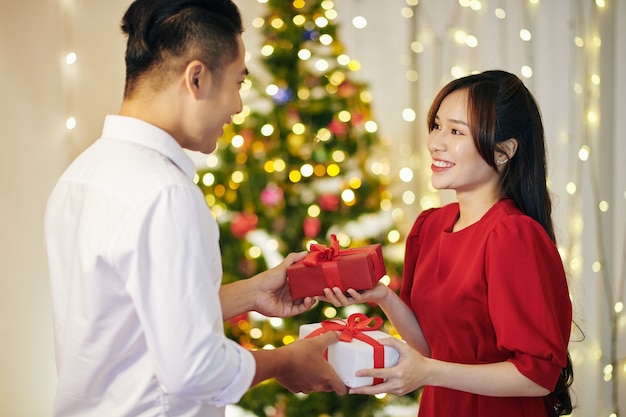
(528,298)
(411,255)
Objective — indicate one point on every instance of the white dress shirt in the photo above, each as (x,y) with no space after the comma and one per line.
(135,273)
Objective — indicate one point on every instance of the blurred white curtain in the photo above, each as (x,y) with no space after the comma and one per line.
(576,53)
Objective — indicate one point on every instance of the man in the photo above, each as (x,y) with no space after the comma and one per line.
(133,250)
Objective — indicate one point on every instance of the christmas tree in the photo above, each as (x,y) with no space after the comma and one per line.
(298,164)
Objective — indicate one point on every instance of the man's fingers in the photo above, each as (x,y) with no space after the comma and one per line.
(294,257)
(338,386)
(300,306)
(334,383)
(329,338)
(308,302)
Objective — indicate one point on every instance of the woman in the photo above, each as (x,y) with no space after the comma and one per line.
(484,307)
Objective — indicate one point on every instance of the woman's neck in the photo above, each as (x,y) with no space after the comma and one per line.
(472,208)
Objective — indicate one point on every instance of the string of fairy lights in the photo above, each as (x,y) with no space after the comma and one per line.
(585,108)
(68,66)
(586,91)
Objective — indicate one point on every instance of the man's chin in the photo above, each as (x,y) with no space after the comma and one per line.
(210,145)
(211,148)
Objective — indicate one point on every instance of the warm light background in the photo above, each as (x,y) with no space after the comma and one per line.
(577,56)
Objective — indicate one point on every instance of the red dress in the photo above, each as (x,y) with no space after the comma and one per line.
(494,291)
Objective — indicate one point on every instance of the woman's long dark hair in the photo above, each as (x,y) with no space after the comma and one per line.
(500,107)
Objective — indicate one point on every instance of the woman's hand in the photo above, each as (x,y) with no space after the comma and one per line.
(336,297)
(406,376)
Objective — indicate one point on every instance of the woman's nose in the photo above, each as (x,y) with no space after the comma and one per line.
(435,141)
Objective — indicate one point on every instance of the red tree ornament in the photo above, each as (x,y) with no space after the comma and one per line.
(329,202)
(311,226)
(242,223)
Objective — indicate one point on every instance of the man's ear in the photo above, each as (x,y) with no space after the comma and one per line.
(197,78)
(508,149)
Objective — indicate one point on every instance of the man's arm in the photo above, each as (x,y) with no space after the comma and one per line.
(266,293)
(236,298)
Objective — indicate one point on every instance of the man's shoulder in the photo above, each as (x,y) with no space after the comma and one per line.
(124,169)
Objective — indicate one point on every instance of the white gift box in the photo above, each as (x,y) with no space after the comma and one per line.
(348,357)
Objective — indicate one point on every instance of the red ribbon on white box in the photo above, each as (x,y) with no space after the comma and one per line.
(355,327)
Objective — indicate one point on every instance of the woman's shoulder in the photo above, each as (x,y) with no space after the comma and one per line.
(507,218)
(438,217)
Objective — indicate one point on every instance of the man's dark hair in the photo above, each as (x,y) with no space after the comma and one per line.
(165,35)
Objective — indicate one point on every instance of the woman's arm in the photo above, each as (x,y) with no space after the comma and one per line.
(413,371)
(416,369)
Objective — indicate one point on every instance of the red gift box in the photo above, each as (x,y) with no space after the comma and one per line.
(358,268)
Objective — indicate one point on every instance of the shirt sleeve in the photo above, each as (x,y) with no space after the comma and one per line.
(170,252)
(528,298)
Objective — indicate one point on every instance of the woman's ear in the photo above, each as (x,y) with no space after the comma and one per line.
(507,150)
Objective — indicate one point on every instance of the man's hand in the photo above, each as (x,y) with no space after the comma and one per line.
(300,366)
(272,296)
(267,293)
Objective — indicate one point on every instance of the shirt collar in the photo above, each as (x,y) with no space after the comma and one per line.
(150,136)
